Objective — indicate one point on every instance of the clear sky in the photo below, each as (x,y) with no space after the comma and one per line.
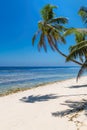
(18,22)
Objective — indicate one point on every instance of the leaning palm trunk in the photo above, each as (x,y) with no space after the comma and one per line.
(82,69)
(67,56)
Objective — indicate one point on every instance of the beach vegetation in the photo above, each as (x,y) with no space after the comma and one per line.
(52,31)
(79,50)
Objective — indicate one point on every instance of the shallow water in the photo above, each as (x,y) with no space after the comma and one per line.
(27,77)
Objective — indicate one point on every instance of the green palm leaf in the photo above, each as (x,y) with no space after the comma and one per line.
(59,20)
(78,50)
(47,12)
(35,36)
(42,42)
(79,33)
(59,27)
(50,42)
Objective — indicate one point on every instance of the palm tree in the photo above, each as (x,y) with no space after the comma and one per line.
(79,50)
(50,30)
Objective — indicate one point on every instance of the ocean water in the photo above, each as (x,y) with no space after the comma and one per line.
(27,77)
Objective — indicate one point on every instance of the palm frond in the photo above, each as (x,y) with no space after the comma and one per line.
(54,42)
(59,27)
(35,36)
(50,42)
(42,42)
(56,34)
(78,50)
(80,33)
(69,31)
(75,30)
(59,20)
(82,30)
(47,12)
(79,37)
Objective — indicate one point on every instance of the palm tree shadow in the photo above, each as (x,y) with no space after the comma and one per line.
(74,107)
(78,86)
(38,98)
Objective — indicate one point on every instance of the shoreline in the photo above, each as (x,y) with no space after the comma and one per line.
(47,108)
(17,90)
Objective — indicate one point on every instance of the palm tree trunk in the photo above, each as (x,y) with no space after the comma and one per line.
(67,56)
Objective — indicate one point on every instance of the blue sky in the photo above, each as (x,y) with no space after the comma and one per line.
(18,22)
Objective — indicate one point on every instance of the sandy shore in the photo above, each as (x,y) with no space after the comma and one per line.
(58,106)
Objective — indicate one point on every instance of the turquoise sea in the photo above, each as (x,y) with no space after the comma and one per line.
(27,77)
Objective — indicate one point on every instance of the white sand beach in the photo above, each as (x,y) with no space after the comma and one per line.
(58,106)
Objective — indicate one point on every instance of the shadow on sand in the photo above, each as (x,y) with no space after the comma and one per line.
(74,107)
(47,97)
(78,86)
(38,98)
